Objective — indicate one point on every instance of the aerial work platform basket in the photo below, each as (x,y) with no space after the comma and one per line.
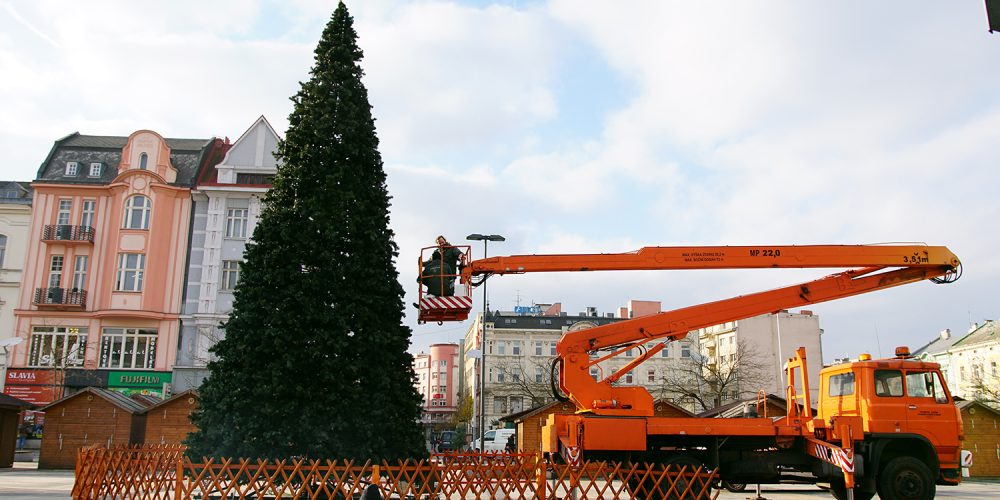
(440,298)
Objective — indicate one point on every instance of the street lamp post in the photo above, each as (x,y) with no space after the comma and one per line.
(486,239)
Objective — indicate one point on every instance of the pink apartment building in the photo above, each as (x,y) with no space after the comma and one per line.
(103,280)
(438,379)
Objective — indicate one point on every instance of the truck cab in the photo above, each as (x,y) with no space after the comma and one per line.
(903,409)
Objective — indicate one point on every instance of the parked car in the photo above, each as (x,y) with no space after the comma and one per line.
(496,440)
(446,442)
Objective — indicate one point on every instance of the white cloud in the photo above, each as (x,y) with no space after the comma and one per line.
(747,123)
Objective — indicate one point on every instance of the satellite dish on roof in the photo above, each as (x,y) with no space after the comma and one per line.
(13,341)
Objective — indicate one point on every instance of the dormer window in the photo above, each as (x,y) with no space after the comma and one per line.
(95,170)
(143,159)
(71,168)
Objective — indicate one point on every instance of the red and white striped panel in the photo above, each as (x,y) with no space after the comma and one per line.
(452,302)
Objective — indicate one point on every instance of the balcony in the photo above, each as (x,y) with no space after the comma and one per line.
(65,233)
(60,298)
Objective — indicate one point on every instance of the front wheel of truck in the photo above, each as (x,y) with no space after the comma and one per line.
(906,478)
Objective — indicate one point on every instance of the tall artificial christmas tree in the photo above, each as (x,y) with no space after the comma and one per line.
(314,362)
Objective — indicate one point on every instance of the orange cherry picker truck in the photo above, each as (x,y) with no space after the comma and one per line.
(887,426)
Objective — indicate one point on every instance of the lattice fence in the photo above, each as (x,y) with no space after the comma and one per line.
(163,473)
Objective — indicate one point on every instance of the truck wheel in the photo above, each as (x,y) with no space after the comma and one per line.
(734,487)
(906,478)
(839,490)
(647,489)
(690,464)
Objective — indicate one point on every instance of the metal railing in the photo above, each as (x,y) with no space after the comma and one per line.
(66,232)
(60,297)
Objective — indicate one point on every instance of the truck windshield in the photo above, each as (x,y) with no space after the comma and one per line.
(888,383)
(925,385)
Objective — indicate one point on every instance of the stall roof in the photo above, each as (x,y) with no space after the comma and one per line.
(116,398)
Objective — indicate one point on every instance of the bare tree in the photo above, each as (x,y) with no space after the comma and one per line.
(986,389)
(526,376)
(709,380)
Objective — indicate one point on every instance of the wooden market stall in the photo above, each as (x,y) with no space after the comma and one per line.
(91,416)
(167,422)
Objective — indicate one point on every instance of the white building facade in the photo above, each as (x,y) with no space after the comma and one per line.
(15,225)
(227,204)
(974,362)
(769,341)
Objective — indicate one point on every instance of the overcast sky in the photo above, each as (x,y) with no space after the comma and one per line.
(586,126)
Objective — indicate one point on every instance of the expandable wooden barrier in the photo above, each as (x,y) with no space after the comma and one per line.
(150,472)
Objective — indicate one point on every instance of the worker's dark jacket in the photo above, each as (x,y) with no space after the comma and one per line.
(437,270)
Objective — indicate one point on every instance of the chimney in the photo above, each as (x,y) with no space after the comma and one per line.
(946,334)
(974,327)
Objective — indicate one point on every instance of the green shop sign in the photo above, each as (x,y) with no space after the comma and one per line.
(139,379)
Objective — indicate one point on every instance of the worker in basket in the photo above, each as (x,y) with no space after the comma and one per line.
(439,272)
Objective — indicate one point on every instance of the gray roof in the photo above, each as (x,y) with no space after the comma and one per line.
(989,331)
(116,398)
(8,402)
(186,394)
(15,193)
(735,408)
(938,345)
(185,155)
(965,404)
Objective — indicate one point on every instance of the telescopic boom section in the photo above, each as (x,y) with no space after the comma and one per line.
(869,268)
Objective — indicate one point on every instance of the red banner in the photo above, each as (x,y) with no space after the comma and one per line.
(34,386)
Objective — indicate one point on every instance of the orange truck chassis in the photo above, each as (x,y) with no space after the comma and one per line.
(882,426)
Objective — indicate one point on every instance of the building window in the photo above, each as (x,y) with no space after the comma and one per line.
(95,170)
(71,168)
(629,378)
(53,346)
(128,348)
(55,271)
(443,364)
(538,374)
(137,210)
(131,267)
(595,372)
(651,375)
(685,350)
(552,348)
(499,404)
(3,248)
(501,374)
(516,404)
(236,223)
(65,207)
(515,348)
(502,347)
(538,348)
(230,274)
(87,214)
(255,179)
(665,353)
(80,273)
(143,161)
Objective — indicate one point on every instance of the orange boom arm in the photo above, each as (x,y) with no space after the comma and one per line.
(869,268)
